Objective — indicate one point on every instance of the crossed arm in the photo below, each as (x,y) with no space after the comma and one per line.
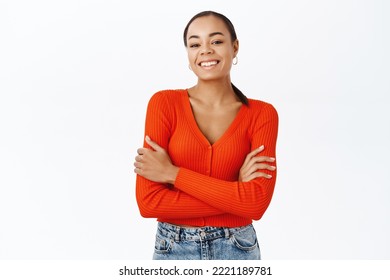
(186,199)
(155,165)
(168,191)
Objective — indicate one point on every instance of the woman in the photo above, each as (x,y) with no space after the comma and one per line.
(207,169)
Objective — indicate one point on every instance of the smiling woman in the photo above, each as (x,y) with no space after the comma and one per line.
(208,167)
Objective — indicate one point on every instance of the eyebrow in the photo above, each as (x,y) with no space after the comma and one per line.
(210,35)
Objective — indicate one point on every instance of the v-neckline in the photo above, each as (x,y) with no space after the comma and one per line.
(189,114)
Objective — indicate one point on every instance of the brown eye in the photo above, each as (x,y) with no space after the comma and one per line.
(194,45)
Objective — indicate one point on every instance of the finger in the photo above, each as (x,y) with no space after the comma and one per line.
(256,151)
(265,166)
(248,167)
(263,175)
(137,171)
(249,171)
(253,153)
(260,166)
(141,151)
(263,158)
(249,177)
(152,144)
(138,158)
(255,160)
(138,165)
(257,175)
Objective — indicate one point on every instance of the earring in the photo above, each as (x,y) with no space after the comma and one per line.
(235,60)
(189,67)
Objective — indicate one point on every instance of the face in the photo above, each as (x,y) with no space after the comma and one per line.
(210,48)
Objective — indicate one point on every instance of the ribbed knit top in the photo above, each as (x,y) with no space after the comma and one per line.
(207,191)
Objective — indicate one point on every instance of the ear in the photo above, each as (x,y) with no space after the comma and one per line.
(235,47)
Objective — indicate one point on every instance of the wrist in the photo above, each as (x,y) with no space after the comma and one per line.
(172,174)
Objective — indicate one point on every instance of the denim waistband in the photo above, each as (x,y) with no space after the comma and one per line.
(196,233)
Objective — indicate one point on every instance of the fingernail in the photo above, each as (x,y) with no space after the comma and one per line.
(147,138)
(261,147)
(272,159)
(273,167)
(269,176)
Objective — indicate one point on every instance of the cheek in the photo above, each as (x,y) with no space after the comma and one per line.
(191,57)
(229,54)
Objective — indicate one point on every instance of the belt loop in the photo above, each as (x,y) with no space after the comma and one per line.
(177,235)
(227,233)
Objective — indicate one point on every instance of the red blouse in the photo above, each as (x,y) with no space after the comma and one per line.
(207,191)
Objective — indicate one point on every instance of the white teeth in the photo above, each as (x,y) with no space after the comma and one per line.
(208,63)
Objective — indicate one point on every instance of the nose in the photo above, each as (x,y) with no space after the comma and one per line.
(206,50)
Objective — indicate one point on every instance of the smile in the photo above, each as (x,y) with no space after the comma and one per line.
(208,63)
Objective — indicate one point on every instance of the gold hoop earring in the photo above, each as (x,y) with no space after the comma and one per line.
(235,60)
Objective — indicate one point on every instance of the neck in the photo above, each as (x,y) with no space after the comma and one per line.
(213,93)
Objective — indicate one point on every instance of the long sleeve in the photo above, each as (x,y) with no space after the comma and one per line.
(161,200)
(245,199)
(207,190)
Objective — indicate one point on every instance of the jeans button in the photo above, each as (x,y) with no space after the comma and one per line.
(202,234)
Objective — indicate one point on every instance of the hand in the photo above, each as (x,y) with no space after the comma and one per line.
(155,164)
(253,163)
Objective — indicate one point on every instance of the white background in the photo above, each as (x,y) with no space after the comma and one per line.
(75,79)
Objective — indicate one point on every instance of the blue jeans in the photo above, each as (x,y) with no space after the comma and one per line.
(205,243)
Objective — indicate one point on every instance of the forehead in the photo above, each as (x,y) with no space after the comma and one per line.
(206,25)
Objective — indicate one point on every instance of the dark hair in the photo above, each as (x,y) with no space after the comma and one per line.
(233,36)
